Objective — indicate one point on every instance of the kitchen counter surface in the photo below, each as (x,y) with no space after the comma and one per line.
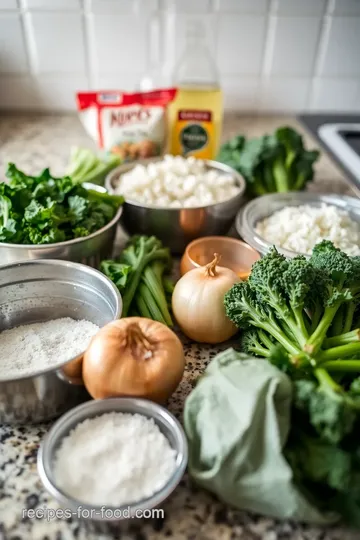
(34,142)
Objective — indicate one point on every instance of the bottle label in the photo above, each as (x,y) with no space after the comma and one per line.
(195,132)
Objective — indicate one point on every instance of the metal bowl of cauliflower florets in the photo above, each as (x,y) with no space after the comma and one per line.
(175,201)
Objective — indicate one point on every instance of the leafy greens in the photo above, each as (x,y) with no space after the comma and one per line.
(139,276)
(302,315)
(44,209)
(271,163)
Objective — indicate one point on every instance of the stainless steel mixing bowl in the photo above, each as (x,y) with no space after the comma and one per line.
(106,519)
(88,250)
(176,227)
(37,291)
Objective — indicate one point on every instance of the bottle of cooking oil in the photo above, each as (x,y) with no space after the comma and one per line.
(195,115)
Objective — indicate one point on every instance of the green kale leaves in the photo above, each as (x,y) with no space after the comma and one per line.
(44,209)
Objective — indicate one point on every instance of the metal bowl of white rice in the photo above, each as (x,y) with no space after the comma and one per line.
(295,222)
(34,365)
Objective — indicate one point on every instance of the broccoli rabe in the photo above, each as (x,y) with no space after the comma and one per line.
(138,274)
(271,163)
(303,316)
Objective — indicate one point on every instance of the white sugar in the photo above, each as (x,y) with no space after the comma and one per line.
(114,459)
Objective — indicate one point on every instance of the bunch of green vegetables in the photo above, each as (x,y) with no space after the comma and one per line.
(44,209)
(303,315)
(86,166)
(272,163)
(139,274)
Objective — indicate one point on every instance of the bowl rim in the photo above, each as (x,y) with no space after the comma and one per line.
(73,241)
(114,404)
(217,237)
(84,268)
(292,198)
(211,164)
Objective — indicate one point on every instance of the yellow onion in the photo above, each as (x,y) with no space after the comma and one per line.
(134,357)
(198,303)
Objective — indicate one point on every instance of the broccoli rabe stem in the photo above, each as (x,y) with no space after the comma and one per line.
(300,322)
(343,339)
(152,277)
(326,380)
(265,339)
(278,334)
(315,317)
(316,339)
(139,262)
(352,365)
(280,175)
(349,316)
(151,304)
(339,352)
(142,307)
(259,350)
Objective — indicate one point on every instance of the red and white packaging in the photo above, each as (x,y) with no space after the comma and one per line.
(130,125)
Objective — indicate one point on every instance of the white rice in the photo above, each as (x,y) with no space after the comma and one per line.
(300,228)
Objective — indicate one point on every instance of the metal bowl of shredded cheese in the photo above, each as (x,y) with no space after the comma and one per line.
(296,222)
(115,459)
(49,311)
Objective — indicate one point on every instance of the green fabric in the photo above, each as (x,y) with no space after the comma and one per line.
(237,421)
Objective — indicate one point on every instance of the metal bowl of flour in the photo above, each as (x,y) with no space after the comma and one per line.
(39,291)
(107,519)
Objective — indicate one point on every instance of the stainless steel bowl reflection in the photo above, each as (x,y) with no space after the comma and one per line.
(36,291)
(97,517)
(88,250)
(176,227)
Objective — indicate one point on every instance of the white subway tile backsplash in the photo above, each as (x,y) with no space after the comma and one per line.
(257,7)
(13,57)
(342,51)
(284,95)
(347,7)
(240,44)
(292,54)
(121,6)
(121,43)
(189,6)
(57,92)
(301,7)
(49,5)
(45,92)
(240,93)
(8,4)
(335,95)
(59,42)
(128,82)
(273,55)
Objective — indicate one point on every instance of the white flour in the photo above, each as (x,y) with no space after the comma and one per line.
(114,459)
(33,347)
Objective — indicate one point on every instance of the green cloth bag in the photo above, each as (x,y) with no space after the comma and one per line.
(237,421)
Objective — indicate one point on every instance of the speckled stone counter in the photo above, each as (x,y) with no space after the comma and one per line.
(34,142)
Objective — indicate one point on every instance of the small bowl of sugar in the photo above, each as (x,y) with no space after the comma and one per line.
(109,461)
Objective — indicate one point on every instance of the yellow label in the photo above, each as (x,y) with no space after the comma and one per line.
(195,119)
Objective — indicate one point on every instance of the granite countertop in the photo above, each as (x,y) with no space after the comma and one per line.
(34,142)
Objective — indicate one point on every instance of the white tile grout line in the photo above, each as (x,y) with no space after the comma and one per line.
(268,51)
(89,41)
(320,54)
(29,38)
